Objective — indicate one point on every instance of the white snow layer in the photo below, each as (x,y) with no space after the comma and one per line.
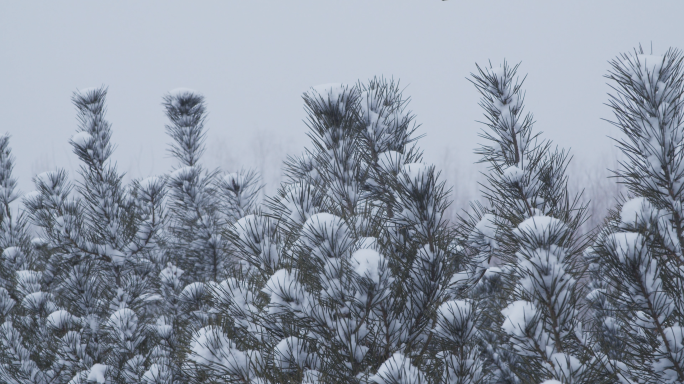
(325,234)
(391,161)
(245,226)
(541,228)
(281,279)
(674,336)
(298,202)
(170,276)
(454,315)
(518,314)
(234,178)
(151,183)
(234,292)
(28,196)
(652,63)
(636,212)
(45,177)
(212,348)
(368,243)
(81,139)
(97,373)
(331,91)
(183,173)
(398,370)
(153,375)
(417,172)
(27,277)
(565,365)
(125,322)
(487,228)
(366,263)
(627,245)
(324,223)
(513,174)
(60,319)
(283,289)
(194,292)
(291,353)
(35,301)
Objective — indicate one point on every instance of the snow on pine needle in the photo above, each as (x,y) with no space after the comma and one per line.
(522,249)
(637,279)
(352,272)
(86,304)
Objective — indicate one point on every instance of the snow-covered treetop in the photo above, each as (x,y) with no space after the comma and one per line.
(8,183)
(511,131)
(92,141)
(331,109)
(387,125)
(185,109)
(331,91)
(648,108)
(539,231)
(240,191)
(528,175)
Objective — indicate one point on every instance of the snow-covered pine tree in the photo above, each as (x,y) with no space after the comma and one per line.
(319,295)
(414,235)
(204,206)
(239,194)
(317,253)
(639,253)
(15,242)
(387,133)
(197,252)
(101,239)
(524,248)
(225,352)
(200,250)
(22,295)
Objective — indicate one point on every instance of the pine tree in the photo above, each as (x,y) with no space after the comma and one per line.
(204,206)
(313,310)
(524,248)
(239,194)
(25,297)
(196,222)
(14,241)
(99,242)
(336,308)
(351,272)
(639,252)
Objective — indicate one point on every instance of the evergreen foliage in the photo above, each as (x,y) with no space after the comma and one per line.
(351,272)
(636,262)
(341,261)
(524,249)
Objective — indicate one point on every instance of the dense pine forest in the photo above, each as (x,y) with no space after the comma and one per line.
(357,269)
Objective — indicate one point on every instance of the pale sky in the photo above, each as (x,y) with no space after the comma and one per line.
(252,60)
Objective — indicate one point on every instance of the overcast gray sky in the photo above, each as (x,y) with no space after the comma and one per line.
(252,60)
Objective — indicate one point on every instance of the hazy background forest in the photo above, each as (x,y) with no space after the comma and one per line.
(593,180)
